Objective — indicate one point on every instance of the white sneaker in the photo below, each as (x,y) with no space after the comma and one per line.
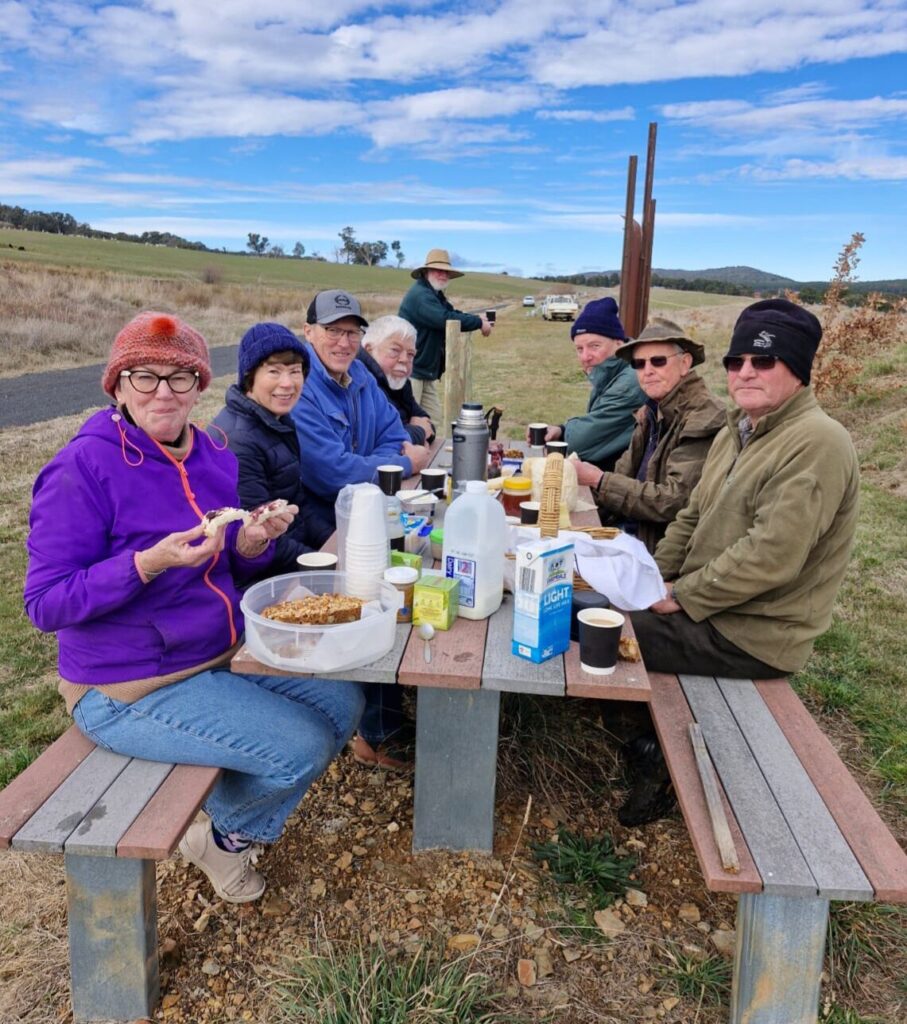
(232,875)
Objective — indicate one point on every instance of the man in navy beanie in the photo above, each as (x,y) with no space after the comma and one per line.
(755,560)
(602,434)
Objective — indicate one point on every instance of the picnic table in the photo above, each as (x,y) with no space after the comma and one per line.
(458,705)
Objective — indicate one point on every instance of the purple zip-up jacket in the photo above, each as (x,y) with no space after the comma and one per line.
(112,491)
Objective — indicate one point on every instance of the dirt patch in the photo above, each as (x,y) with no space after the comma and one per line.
(344,870)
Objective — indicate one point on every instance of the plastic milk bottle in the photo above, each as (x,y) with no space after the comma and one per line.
(474,543)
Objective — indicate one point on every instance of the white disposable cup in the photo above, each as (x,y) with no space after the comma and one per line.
(317,560)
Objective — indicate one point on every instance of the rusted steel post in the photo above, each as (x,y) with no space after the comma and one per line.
(648,229)
(778,964)
(629,262)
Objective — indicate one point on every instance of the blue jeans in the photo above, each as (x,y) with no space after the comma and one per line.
(273,735)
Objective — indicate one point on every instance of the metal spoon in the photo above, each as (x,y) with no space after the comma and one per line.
(426,631)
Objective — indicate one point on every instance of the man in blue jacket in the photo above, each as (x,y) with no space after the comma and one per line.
(346,427)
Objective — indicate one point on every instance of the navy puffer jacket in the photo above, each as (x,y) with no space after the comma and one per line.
(267,449)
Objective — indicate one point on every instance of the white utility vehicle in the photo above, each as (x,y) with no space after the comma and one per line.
(559,307)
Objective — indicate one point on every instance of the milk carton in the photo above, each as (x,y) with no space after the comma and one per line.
(543,595)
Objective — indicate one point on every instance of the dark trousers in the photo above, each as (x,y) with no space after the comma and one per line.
(676,644)
(383,714)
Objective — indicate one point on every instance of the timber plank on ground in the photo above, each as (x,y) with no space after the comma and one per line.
(672,717)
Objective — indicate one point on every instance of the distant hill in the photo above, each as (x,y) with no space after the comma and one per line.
(749,277)
(736,281)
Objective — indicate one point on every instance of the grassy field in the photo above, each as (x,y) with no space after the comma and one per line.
(75,252)
(856,683)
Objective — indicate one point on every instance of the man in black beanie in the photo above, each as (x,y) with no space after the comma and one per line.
(755,560)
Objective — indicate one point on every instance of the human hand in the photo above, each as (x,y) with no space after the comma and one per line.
(178,550)
(254,537)
(486,327)
(553,434)
(667,605)
(587,473)
(418,455)
(424,422)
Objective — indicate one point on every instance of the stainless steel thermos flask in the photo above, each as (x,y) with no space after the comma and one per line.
(470,446)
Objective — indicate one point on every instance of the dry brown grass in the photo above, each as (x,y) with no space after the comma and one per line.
(55,318)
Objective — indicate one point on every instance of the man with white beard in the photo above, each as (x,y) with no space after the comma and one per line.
(388,350)
(428,309)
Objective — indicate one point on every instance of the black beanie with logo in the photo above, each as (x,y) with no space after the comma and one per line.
(781,328)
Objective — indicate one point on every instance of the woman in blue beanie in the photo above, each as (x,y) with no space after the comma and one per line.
(273,364)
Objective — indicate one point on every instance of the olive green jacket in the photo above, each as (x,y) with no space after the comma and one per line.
(605,431)
(687,420)
(763,545)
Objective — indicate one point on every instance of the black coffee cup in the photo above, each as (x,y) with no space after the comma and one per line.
(537,433)
(556,446)
(599,639)
(390,478)
(433,480)
(529,512)
(584,599)
(491,315)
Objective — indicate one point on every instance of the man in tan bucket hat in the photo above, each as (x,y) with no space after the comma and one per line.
(653,479)
(428,309)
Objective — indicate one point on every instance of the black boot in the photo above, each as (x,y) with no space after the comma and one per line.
(651,792)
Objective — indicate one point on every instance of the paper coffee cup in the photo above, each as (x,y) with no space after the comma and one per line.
(537,433)
(599,639)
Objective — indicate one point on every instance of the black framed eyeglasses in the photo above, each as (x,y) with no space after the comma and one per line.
(659,361)
(762,364)
(146,382)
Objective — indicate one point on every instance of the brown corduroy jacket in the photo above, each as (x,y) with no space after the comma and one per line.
(687,421)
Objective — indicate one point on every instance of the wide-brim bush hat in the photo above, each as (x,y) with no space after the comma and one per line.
(661,329)
(437,259)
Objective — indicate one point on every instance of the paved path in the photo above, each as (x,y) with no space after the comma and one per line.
(35,397)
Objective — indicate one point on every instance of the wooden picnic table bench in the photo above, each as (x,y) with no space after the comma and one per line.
(803,831)
(111,817)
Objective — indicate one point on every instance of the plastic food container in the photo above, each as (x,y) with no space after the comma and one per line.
(515,489)
(318,649)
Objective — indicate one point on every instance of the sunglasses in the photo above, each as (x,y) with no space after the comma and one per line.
(762,364)
(639,364)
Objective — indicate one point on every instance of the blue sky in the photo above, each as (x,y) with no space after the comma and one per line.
(497,130)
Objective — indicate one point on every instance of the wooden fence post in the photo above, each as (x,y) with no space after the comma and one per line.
(457,380)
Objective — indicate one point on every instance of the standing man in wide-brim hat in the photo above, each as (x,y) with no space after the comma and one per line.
(428,309)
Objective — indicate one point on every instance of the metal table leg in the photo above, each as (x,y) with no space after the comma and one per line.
(778,964)
(112,911)
(456,767)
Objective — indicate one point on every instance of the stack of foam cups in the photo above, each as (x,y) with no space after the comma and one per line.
(365,547)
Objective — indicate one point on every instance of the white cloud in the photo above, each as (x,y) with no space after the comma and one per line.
(859,168)
(735,116)
(602,116)
(716,38)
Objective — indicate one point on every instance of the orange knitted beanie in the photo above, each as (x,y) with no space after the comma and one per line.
(157,338)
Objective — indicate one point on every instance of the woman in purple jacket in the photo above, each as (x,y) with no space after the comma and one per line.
(146,606)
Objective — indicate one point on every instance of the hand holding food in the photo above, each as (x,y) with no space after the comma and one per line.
(178,550)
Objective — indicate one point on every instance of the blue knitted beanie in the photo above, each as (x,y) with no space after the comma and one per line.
(599,317)
(264,340)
